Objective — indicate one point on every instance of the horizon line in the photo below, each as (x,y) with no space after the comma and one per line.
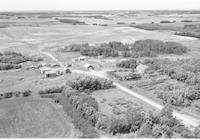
(54,10)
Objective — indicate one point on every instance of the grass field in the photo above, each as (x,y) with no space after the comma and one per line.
(32,119)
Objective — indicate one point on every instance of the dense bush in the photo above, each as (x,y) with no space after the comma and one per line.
(55,89)
(186,20)
(173,96)
(151,27)
(121,23)
(189,34)
(7,66)
(167,21)
(17,58)
(72,21)
(90,83)
(131,63)
(80,123)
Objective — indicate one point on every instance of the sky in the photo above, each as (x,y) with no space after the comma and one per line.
(42,5)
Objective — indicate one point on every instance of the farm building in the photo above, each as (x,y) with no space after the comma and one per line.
(61,71)
(44,69)
(50,74)
(140,69)
(82,58)
(123,60)
(89,66)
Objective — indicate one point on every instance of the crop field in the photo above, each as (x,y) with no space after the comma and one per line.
(32,119)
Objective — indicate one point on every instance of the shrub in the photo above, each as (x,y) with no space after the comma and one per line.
(121,23)
(131,63)
(134,118)
(26,93)
(103,121)
(118,125)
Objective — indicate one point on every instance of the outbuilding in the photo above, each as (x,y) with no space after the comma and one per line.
(89,66)
(50,74)
(44,69)
(81,58)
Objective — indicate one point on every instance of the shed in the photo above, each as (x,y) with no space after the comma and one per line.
(140,69)
(89,66)
(67,70)
(50,74)
(44,69)
(124,59)
(82,58)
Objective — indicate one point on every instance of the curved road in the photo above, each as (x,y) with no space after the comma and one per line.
(187,120)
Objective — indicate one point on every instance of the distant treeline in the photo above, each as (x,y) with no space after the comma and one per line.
(141,48)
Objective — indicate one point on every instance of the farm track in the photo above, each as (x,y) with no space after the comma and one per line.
(187,120)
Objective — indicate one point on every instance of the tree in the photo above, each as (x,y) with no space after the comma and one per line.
(145,131)
(118,125)
(134,118)
(157,131)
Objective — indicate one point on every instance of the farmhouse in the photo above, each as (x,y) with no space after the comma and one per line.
(140,69)
(89,66)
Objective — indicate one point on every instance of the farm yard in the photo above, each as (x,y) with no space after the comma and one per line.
(99,74)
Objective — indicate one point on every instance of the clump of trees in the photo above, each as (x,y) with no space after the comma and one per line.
(74,47)
(186,71)
(130,63)
(141,48)
(11,94)
(82,108)
(52,90)
(8,66)
(89,83)
(159,47)
(129,76)
(167,21)
(72,21)
(186,20)
(147,124)
(189,34)
(17,58)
